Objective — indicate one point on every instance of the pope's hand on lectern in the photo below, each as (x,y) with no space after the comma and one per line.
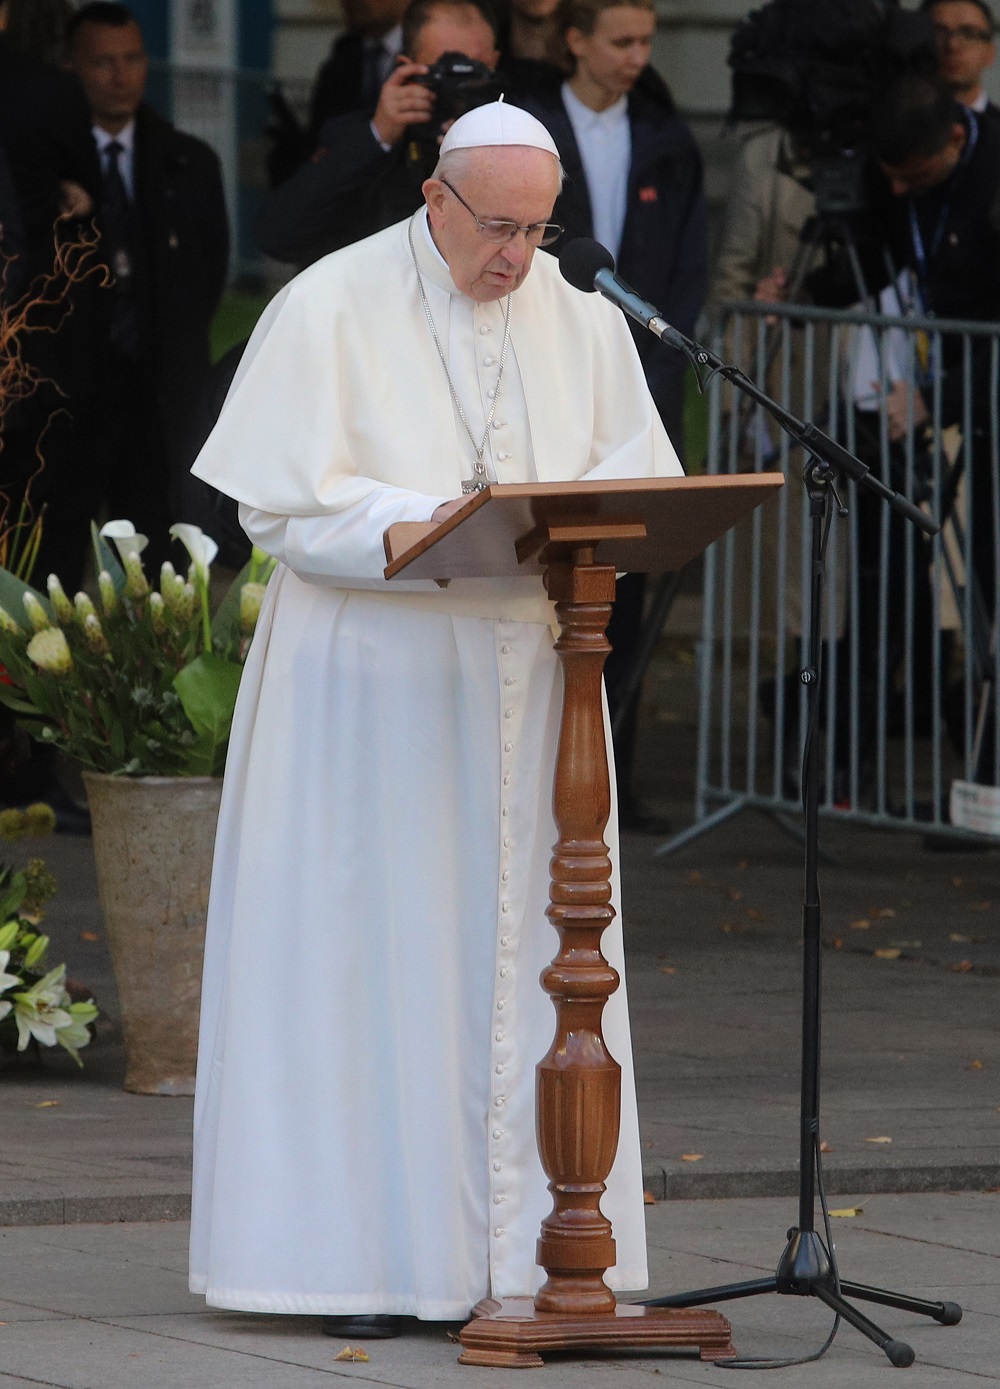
(447,509)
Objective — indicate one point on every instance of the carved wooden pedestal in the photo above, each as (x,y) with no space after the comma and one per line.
(579,1083)
(521,528)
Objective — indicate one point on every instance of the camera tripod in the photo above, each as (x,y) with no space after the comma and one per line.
(807,1267)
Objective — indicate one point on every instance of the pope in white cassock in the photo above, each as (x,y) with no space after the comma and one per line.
(372,1015)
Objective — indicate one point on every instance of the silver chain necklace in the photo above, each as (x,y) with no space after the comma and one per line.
(479,478)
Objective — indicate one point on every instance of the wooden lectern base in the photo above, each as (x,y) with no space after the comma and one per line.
(510,1334)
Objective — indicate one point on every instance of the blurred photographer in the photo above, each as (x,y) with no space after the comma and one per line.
(368,171)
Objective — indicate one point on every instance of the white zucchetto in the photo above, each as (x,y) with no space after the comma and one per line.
(498,124)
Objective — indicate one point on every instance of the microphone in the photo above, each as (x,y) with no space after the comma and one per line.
(588,265)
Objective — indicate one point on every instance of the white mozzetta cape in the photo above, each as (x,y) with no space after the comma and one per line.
(372,1016)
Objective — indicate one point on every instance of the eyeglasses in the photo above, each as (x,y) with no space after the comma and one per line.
(495,230)
(962,33)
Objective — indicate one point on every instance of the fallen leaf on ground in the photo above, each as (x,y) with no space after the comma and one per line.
(846,1212)
(454,1337)
(89,935)
(861,924)
(668,969)
(987,1191)
(976,1065)
(980,906)
(962,967)
(694,877)
(882,913)
(755,915)
(729,928)
(692,1157)
(743,863)
(350,1353)
(48,1104)
(838,943)
(959,939)
(648,1199)
(888,952)
(881,1139)
(824,1147)
(734,894)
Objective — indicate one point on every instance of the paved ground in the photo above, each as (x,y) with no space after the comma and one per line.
(910,1044)
(107,1305)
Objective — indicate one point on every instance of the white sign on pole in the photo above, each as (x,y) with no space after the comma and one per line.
(203,56)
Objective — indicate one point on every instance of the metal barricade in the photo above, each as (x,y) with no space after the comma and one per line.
(910,656)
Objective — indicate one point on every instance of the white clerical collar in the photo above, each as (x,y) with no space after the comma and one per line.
(125,137)
(980,103)
(586,115)
(430,261)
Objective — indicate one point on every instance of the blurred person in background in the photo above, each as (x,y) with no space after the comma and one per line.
(634,182)
(165,239)
(360,60)
(367,173)
(964,33)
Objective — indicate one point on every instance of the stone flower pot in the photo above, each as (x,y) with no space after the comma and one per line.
(153,844)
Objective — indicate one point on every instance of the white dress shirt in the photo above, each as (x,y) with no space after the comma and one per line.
(604,139)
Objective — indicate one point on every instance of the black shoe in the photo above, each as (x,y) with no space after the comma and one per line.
(362,1328)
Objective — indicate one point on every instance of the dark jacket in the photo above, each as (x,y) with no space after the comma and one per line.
(181,267)
(664,250)
(349,189)
(959,225)
(339,85)
(45,132)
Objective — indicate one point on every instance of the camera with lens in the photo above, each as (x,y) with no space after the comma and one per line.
(459,84)
(816,69)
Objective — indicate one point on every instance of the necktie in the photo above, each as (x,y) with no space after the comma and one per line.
(119,236)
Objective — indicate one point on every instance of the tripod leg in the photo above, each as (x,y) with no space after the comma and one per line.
(899,1353)
(947,1313)
(726,1293)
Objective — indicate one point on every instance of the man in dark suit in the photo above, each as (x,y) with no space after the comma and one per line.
(360,60)
(165,239)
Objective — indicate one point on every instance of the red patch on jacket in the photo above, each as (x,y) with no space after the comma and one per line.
(648,195)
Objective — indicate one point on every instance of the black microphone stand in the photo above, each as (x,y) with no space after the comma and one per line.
(807,1267)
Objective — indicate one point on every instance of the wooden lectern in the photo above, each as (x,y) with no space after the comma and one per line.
(579,534)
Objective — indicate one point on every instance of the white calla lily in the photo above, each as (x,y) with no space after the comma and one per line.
(126,537)
(201,547)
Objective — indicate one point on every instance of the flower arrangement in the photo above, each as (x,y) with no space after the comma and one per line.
(35,1004)
(147,686)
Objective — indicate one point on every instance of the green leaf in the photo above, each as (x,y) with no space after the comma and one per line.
(207,691)
(226,623)
(106,558)
(10,697)
(12,591)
